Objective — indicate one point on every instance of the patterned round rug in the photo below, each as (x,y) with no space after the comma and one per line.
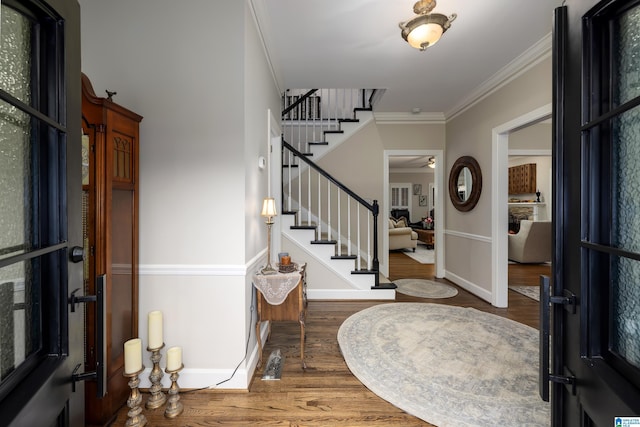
(422,288)
(447,365)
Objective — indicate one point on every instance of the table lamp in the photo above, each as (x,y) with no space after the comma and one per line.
(268,211)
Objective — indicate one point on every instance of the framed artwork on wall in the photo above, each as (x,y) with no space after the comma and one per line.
(417,189)
(423,201)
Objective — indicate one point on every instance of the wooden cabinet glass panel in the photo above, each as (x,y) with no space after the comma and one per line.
(111,236)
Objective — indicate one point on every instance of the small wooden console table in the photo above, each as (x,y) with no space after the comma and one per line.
(425,236)
(281,297)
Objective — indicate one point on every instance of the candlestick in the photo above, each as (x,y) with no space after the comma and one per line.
(135,416)
(174,406)
(174,359)
(157,398)
(155,329)
(132,355)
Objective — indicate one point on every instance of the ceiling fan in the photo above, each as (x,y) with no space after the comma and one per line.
(431,162)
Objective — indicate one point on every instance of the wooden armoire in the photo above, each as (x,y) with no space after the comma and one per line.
(110,152)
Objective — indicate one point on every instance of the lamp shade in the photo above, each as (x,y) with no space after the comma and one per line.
(425,35)
(425,30)
(269,207)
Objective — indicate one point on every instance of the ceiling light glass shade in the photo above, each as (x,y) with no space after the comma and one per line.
(424,35)
(424,31)
(268,207)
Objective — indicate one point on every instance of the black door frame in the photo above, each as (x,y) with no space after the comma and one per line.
(44,395)
(588,396)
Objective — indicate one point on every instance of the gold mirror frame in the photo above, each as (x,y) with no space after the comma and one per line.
(476,186)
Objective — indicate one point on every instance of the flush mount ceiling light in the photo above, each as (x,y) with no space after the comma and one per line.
(425,30)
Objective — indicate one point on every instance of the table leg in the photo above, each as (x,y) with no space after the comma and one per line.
(259,342)
(302,339)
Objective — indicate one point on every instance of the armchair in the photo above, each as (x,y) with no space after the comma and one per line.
(401,236)
(532,244)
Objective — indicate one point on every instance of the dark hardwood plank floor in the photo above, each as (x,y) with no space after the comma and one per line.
(327,394)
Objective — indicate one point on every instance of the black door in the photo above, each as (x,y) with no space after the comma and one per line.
(40,193)
(596,361)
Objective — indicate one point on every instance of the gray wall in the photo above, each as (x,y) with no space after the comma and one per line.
(204,96)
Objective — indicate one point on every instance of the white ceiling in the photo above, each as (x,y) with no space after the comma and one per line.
(357,44)
(412,163)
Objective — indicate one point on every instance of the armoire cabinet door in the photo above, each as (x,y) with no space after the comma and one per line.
(112,231)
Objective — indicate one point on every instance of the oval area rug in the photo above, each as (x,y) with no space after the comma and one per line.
(447,365)
(422,288)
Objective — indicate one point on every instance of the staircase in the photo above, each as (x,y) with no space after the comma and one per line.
(335,228)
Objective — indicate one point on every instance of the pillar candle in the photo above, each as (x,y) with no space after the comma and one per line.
(174,358)
(132,356)
(155,339)
(285,260)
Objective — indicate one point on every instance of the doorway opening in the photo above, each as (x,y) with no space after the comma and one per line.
(499,202)
(427,197)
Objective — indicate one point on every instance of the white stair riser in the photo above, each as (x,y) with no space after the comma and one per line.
(323,254)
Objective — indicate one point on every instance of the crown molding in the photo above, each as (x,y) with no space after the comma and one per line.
(261,21)
(384,118)
(527,60)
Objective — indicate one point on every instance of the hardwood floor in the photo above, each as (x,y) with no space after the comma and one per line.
(326,394)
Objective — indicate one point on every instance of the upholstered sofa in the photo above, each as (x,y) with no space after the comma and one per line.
(401,236)
(532,243)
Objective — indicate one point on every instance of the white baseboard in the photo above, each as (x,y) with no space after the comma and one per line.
(201,378)
(469,286)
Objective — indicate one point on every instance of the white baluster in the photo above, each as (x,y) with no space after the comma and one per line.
(328,210)
(368,241)
(289,171)
(299,217)
(358,231)
(339,212)
(309,198)
(319,228)
(349,225)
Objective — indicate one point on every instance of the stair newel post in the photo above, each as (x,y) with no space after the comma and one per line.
(375,211)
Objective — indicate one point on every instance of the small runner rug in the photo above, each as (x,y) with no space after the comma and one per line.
(421,254)
(532,292)
(447,365)
(422,288)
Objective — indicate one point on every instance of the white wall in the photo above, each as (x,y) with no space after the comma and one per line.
(366,176)
(204,97)
(468,239)
(424,178)
(543,181)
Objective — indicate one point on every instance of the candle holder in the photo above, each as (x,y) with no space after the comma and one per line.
(157,398)
(135,416)
(174,406)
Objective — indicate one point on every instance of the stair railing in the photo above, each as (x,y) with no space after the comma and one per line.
(307,114)
(339,215)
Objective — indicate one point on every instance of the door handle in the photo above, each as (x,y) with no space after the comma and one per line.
(569,301)
(543,374)
(100,374)
(77,254)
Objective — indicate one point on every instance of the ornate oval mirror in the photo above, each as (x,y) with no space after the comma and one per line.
(465,183)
